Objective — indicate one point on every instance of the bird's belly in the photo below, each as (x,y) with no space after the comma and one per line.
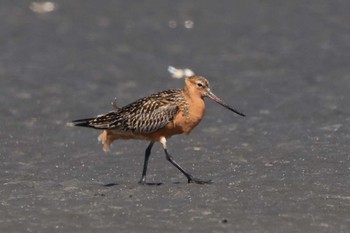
(127,135)
(108,136)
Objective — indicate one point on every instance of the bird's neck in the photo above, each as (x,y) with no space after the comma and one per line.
(190,94)
(185,91)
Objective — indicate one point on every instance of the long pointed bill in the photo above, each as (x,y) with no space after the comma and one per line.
(219,101)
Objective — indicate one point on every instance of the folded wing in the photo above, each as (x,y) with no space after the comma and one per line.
(142,116)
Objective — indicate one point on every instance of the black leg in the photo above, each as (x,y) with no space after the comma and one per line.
(173,162)
(145,163)
(189,177)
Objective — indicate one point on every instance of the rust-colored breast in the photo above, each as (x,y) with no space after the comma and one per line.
(196,111)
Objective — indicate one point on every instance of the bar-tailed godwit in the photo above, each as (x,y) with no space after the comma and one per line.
(156,118)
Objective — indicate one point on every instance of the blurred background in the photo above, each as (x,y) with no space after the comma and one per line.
(283,168)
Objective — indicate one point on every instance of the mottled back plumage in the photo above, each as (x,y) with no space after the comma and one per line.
(145,115)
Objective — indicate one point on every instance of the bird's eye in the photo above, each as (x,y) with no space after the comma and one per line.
(200,85)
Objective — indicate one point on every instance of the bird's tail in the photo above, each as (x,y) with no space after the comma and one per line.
(82,122)
(103,121)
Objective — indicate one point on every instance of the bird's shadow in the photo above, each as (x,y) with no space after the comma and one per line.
(146,184)
(110,184)
(154,183)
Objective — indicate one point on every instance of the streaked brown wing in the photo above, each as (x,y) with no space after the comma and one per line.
(151,121)
(145,115)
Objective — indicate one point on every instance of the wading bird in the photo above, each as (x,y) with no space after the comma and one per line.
(156,118)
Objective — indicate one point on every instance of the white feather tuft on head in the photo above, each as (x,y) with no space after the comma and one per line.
(180,73)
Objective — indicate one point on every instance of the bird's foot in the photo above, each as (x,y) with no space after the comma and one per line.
(143,181)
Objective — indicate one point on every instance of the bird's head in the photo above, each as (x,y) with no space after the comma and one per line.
(199,86)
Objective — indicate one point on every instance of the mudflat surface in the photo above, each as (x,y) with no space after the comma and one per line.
(283,168)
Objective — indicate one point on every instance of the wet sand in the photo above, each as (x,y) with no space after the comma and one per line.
(283,168)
